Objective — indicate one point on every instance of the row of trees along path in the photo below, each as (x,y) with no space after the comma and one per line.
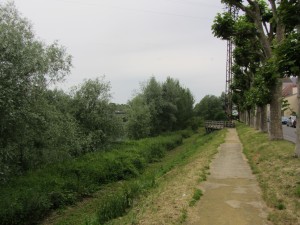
(266,45)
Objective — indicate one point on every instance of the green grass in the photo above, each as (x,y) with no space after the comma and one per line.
(298,191)
(120,197)
(28,199)
(277,172)
(196,197)
(183,216)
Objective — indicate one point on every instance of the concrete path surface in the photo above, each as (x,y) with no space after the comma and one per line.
(231,193)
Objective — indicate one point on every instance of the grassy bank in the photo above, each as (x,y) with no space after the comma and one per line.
(278,173)
(28,199)
(177,182)
(118,198)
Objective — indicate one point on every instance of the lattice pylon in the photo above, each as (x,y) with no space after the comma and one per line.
(229,74)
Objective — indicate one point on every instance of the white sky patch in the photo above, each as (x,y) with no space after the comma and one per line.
(130,40)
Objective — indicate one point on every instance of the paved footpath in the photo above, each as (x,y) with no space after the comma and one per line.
(231,193)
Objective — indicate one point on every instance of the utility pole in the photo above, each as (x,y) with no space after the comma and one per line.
(229,75)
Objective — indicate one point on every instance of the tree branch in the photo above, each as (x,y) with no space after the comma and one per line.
(274,8)
(266,28)
(280,27)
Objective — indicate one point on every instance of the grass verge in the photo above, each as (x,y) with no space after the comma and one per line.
(278,174)
(177,178)
(124,198)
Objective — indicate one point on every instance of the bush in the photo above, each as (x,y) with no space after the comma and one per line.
(27,199)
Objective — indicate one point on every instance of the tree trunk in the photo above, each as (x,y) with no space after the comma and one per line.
(257,117)
(242,117)
(248,121)
(263,119)
(252,113)
(297,147)
(275,112)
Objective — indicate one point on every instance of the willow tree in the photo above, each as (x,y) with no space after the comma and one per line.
(270,29)
(27,67)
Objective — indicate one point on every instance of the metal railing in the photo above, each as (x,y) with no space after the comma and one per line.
(211,126)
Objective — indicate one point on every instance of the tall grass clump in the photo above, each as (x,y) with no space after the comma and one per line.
(196,197)
(29,198)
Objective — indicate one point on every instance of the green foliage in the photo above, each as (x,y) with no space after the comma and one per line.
(244,30)
(198,144)
(210,108)
(289,11)
(196,197)
(160,107)
(223,26)
(297,192)
(114,206)
(139,118)
(287,54)
(27,67)
(27,199)
(94,114)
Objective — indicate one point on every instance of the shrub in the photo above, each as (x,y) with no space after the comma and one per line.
(27,199)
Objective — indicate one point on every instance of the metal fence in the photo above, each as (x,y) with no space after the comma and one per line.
(211,126)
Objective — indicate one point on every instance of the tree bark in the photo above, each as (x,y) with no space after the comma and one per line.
(248,118)
(242,117)
(252,118)
(275,113)
(263,119)
(297,147)
(257,117)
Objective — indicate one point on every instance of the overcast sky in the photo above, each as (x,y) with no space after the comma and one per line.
(129,41)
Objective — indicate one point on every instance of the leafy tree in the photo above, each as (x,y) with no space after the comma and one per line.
(152,92)
(170,98)
(210,108)
(139,118)
(27,67)
(270,28)
(94,114)
(160,107)
(185,107)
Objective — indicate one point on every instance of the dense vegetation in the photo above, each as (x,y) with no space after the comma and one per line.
(122,201)
(159,107)
(57,147)
(211,108)
(40,126)
(29,198)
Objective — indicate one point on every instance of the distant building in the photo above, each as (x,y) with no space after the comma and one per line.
(289,93)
